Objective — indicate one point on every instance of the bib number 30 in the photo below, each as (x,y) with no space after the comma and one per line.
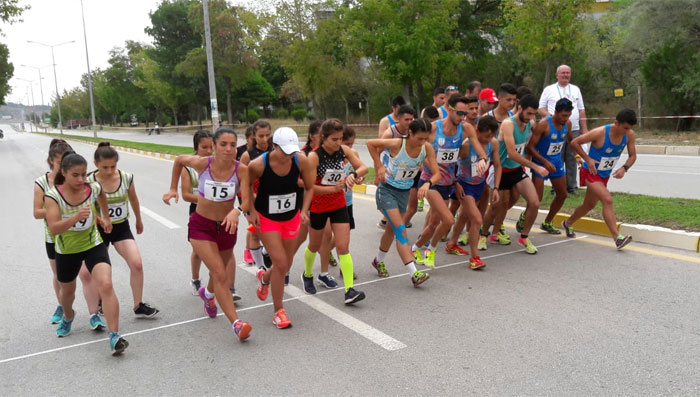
(331,177)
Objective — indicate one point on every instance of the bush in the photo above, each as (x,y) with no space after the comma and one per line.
(253,116)
(282,113)
(311,116)
(299,114)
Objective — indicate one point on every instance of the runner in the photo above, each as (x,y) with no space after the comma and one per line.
(449,91)
(606,145)
(473,89)
(213,227)
(446,138)
(249,142)
(390,119)
(487,101)
(119,188)
(545,147)
(77,240)
(407,155)
(438,101)
(277,212)
(470,187)
(431,114)
(514,132)
(41,186)
(203,147)
(328,202)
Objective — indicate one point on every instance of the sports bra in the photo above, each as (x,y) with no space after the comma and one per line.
(215,190)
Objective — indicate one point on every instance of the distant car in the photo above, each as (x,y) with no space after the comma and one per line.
(134,121)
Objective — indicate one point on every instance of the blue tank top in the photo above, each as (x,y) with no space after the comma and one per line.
(391,120)
(607,155)
(550,146)
(402,169)
(347,167)
(466,168)
(446,153)
(443,111)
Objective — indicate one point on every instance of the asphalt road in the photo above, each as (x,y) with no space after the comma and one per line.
(579,318)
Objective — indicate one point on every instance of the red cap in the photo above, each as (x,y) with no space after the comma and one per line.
(488,95)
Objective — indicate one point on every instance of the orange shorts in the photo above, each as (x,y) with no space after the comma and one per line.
(288,229)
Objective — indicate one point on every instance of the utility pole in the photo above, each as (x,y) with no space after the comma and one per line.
(55,79)
(210,69)
(87,58)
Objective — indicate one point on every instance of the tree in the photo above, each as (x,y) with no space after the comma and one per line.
(159,92)
(10,11)
(6,72)
(254,90)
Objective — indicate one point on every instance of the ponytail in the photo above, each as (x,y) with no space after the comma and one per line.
(57,148)
(105,151)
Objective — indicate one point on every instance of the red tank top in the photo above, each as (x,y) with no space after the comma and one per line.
(330,171)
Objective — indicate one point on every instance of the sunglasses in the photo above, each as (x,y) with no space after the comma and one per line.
(452,88)
(460,113)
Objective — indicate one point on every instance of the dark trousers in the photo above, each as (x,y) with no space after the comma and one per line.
(570,163)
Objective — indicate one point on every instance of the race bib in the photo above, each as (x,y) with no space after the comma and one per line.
(607,163)
(520,148)
(80,226)
(555,148)
(118,211)
(447,156)
(219,191)
(475,166)
(405,173)
(331,177)
(282,203)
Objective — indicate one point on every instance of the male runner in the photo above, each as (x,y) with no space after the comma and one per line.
(473,89)
(487,101)
(438,101)
(390,119)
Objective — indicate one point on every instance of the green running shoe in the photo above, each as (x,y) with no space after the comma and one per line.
(430,259)
(549,228)
(463,239)
(420,206)
(418,257)
(521,223)
(380,268)
(500,238)
(419,278)
(481,246)
(527,244)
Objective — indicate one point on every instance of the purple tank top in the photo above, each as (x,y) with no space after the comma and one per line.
(215,190)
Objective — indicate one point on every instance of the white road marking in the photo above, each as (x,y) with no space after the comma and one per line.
(163,221)
(665,172)
(252,269)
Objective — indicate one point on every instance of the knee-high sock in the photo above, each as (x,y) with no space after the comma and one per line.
(347,269)
(257,256)
(309,259)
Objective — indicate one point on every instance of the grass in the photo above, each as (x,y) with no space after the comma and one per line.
(151,147)
(673,213)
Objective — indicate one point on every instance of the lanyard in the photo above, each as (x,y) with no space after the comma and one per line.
(567,86)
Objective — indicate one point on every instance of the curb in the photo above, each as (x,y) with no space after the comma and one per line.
(668,150)
(158,155)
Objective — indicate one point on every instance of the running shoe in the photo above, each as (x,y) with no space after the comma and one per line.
(520,224)
(568,229)
(196,285)
(209,304)
(409,225)
(248,257)
(382,224)
(380,268)
(332,261)
(620,242)
(352,296)
(235,295)
(420,206)
(502,229)
(444,238)
(418,257)
(64,326)
(57,315)
(286,279)
(309,287)
(267,261)
(97,323)
(419,277)
(527,244)
(144,310)
(242,329)
(430,259)
(327,281)
(117,344)
(263,289)
(476,263)
(481,245)
(463,239)
(549,228)
(500,238)
(455,250)
(281,320)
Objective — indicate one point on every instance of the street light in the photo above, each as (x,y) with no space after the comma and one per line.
(55,79)
(31,88)
(41,83)
(87,57)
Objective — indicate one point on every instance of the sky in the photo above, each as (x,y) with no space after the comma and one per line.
(109,23)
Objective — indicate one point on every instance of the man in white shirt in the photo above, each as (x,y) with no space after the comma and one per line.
(551,94)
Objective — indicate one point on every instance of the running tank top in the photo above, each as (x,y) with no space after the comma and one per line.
(391,120)
(402,169)
(218,191)
(550,146)
(45,186)
(607,155)
(520,138)
(443,111)
(446,153)
(467,167)
(395,133)
(194,179)
(118,200)
(492,114)
(329,172)
(83,235)
(254,152)
(278,196)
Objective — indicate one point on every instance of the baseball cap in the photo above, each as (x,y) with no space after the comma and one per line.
(287,139)
(489,95)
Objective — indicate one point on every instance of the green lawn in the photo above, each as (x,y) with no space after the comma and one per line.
(152,147)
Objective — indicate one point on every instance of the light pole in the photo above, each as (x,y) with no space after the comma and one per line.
(41,83)
(210,69)
(55,79)
(87,58)
(31,89)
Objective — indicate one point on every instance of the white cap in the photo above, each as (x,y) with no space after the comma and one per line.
(287,139)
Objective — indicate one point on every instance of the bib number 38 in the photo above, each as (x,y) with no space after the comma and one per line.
(447,156)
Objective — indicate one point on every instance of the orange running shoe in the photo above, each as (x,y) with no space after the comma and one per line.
(263,288)
(242,329)
(281,320)
(455,250)
(476,263)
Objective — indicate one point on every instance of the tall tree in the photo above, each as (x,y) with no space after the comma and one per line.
(10,12)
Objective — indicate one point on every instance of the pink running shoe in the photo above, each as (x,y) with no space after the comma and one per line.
(248,257)
(209,304)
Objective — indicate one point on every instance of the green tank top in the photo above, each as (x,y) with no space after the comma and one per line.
(520,138)
(194,179)
(118,200)
(83,235)
(43,183)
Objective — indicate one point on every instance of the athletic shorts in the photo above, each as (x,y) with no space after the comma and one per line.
(586,176)
(351,217)
(453,196)
(51,250)
(511,178)
(389,198)
(560,172)
(201,228)
(445,191)
(193,208)
(416,180)
(287,229)
(120,231)
(68,265)
(318,220)
(475,191)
